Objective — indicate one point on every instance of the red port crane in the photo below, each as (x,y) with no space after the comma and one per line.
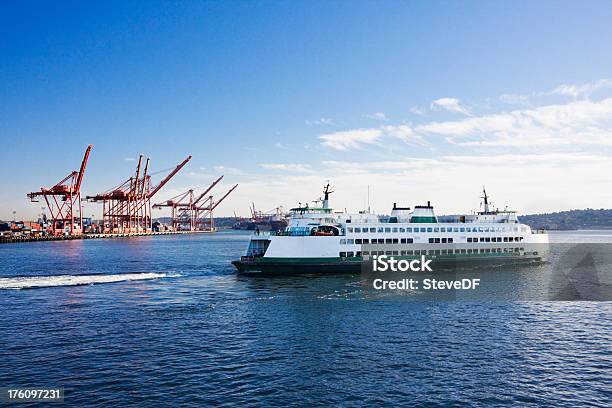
(126,208)
(190,213)
(64,201)
(204,219)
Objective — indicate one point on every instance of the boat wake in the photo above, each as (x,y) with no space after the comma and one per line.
(27,282)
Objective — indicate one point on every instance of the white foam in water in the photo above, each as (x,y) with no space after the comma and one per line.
(23,282)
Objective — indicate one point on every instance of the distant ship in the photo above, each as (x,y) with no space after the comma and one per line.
(319,240)
(274,220)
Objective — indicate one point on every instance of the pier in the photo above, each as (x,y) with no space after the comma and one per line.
(28,238)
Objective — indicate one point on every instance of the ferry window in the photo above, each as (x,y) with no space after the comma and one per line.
(461,229)
(444,252)
(358,230)
(510,239)
(423,230)
(395,229)
(429,229)
(409,252)
(499,239)
(431,240)
(343,242)
(482,239)
(380,229)
(450,240)
(350,229)
(410,240)
(366,241)
(402,230)
(403,253)
(388,241)
(387,229)
(366,253)
(342,254)
(469,239)
(487,239)
(409,229)
(456,229)
(388,253)
(442,229)
(372,229)
(437,252)
(469,250)
(395,253)
(349,254)
(381,241)
(437,240)
(395,241)
(444,240)
(403,240)
(358,253)
(350,242)
(436,229)
(505,239)
(480,229)
(358,241)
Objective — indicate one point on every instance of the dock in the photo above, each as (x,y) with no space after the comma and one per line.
(18,239)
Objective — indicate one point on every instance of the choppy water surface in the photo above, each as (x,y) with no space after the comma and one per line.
(165,320)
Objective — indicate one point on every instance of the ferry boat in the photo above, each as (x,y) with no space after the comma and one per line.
(319,240)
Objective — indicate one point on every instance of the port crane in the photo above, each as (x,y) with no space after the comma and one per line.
(64,201)
(126,208)
(186,208)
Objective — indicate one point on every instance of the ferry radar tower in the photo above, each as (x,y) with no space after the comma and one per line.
(326,192)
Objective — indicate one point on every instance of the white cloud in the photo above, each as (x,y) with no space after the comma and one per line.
(129,159)
(512,99)
(514,179)
(320,121)
(281,146)
(582,89)
(578,122)
(377,116)
(574,90)
(450,104)
(356,138)
(417,110)
(351,139)
(229,170)
(294,168)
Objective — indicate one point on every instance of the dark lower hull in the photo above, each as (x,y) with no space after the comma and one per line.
(259,266)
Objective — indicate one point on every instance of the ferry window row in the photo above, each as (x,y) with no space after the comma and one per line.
(433,252)
(495,239)
(358,230)
(440,240)
(374,241)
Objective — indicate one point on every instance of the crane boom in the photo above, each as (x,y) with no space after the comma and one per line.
(223,198)
(207,190)
(77,187)
(168,177)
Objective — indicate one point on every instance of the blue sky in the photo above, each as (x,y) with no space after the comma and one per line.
(420,100)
